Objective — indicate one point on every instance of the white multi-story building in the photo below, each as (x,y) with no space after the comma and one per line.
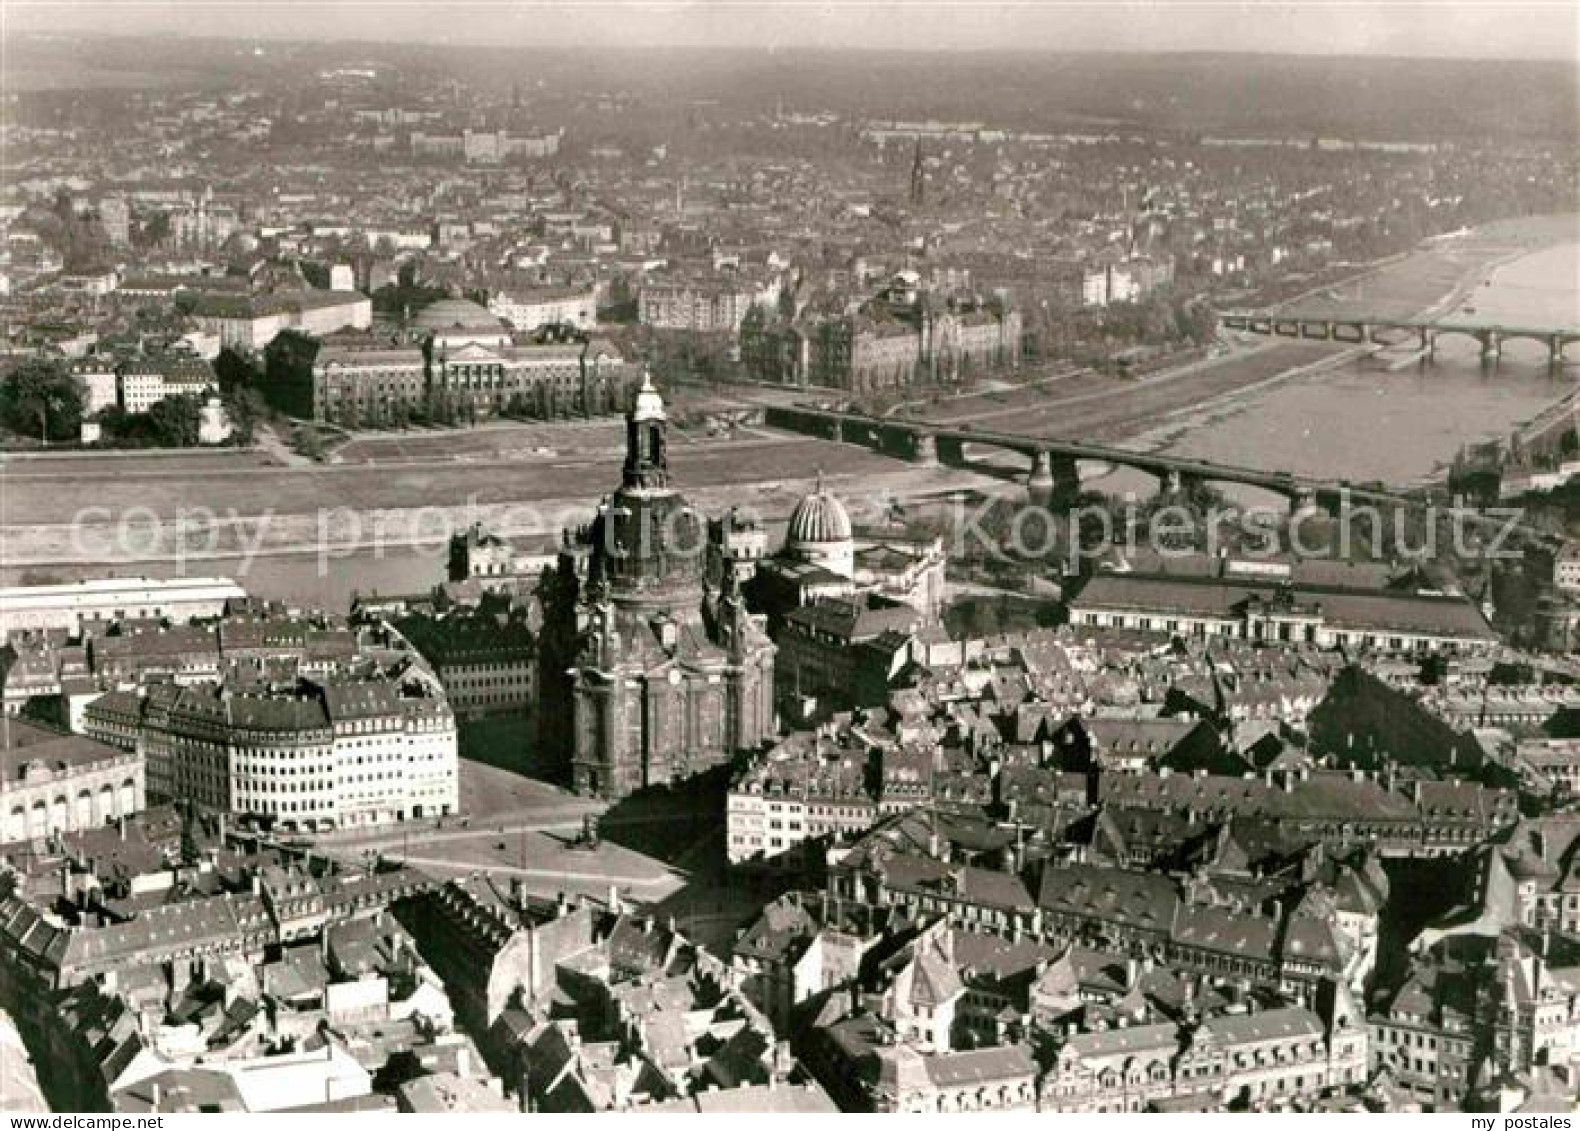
(527,309)
(99,383)
(326,754)
(714,303)
(253,321)
(794,796)
(146,382)
(141,389)
(1566,568)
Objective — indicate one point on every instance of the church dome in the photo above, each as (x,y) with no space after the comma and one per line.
(455,313)
(819,517)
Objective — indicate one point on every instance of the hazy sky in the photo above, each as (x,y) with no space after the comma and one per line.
(1494,28)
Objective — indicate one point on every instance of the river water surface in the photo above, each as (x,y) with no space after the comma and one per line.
(1361,422)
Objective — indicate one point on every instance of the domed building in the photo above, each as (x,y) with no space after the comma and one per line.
(453,322)
(819,533)
(661,679)
(825,556)
(843,604)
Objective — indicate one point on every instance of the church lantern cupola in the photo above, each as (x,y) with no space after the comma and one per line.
(646,438)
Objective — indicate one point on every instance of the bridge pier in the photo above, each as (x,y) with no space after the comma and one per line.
(924,449)
(1041,476)
(1052,478)
(1175,482)
(1491,346)
(1310,502)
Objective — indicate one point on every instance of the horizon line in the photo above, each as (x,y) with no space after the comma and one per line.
(773,49)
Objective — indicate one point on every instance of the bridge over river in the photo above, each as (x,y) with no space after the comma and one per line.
(1054,464)
(1362,330)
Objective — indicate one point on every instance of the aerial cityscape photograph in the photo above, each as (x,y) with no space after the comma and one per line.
(765,556)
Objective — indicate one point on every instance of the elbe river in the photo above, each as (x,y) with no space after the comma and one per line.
(1361,422)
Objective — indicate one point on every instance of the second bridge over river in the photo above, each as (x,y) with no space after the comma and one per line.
(1360,330)
(1053,465)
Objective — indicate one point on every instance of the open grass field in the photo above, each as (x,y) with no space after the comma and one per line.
(41,495)
(64,465)
(491,442)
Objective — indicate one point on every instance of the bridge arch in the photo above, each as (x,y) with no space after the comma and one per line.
(1475,334)
(1541,339)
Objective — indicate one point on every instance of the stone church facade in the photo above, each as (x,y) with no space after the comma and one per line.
(665,677)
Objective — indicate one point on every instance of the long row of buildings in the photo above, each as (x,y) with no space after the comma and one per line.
(188,691)
(1272,606)
(332,753)
(900,337)
(461,360)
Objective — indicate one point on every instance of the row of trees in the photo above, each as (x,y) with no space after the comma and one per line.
(41,398)
(1163,318)
(169,423)
(545,402)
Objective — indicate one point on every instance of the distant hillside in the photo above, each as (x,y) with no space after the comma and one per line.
(1186,93)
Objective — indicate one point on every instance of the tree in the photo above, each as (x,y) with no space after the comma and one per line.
(175,421)
(190,852)
(41,397)
(245,406)
(308,442)
(235,368)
